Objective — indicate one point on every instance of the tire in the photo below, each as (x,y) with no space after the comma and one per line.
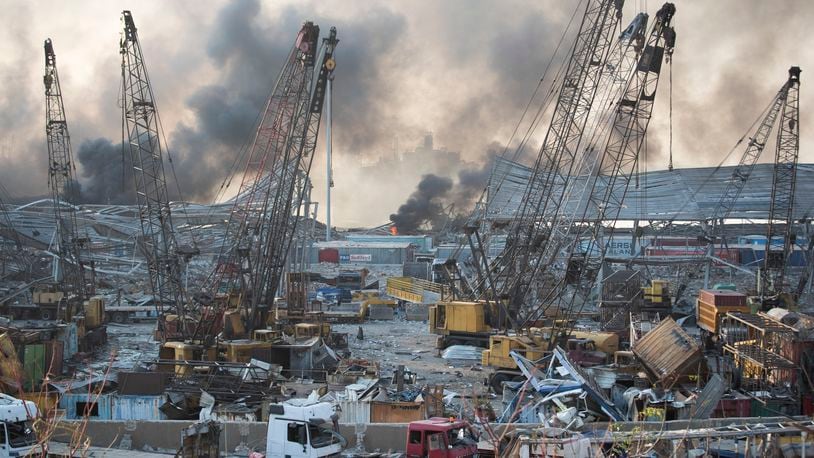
(119,317)
(45,314)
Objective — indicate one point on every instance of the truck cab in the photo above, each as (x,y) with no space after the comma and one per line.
(17,435)
(440,438)
(303,430)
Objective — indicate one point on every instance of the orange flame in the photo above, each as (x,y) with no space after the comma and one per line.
(394,230)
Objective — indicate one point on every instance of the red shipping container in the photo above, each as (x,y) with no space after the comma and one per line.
(733,406)
(808,405)
(329,255)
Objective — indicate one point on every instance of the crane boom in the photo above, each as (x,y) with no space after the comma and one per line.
(61,182)
(619,158)
(141,134)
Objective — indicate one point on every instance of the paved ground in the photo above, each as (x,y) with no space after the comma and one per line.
(126,345)
(409,343)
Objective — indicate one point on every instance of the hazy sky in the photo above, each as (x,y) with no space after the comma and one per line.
(461,69)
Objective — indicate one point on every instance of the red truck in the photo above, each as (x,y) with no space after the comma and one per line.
(441,438)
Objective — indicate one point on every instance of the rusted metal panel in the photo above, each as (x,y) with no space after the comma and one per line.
(396,412)
(54,357)
(142,383)
(667,351)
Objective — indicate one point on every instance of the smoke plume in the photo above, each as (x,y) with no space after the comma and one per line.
(425,205)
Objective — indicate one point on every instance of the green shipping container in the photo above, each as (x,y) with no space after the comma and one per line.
(775,408)
(33,366)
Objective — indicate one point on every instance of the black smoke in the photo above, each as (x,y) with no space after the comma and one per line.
(424,206)
(106,176)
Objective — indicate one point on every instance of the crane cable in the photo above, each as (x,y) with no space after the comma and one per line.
(670,117)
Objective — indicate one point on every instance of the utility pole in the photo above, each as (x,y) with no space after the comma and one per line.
(330,184)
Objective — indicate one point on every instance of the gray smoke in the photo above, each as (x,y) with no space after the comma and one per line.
(251,52)
(425,205)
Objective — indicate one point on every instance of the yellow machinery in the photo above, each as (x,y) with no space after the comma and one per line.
(265,335)
(369,299)
(94,312)
(52,303)
(303,331)
(657,294)
(181,351)
(240,351)
(497,355)
(416,290)
(459,323)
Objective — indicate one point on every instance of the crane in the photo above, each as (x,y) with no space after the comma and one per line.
(265,217)
(771,279)
(140,133)
(70,245)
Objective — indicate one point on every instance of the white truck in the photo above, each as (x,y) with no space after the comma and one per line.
(17,436)
(300,428)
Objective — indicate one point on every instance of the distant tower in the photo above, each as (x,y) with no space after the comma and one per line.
(428,141)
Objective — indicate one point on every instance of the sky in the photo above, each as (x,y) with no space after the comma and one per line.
(463,70)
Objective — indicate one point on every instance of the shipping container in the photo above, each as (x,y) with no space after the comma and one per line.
(95,406)
(330,255)
(733,405)
(708,316)
(775,407)
(722,297)
(134,407)
(33,366)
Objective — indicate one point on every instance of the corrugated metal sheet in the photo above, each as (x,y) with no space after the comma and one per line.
(691,194)
(666,351)
(68,336)
(354,412)
(137,407)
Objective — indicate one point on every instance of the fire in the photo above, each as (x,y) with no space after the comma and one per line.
(394,230)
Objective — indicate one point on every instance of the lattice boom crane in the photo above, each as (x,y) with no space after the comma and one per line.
(63,187)
(141,134)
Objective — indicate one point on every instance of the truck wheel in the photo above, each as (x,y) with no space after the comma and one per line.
(45,315)
(119,318)
(497,382)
